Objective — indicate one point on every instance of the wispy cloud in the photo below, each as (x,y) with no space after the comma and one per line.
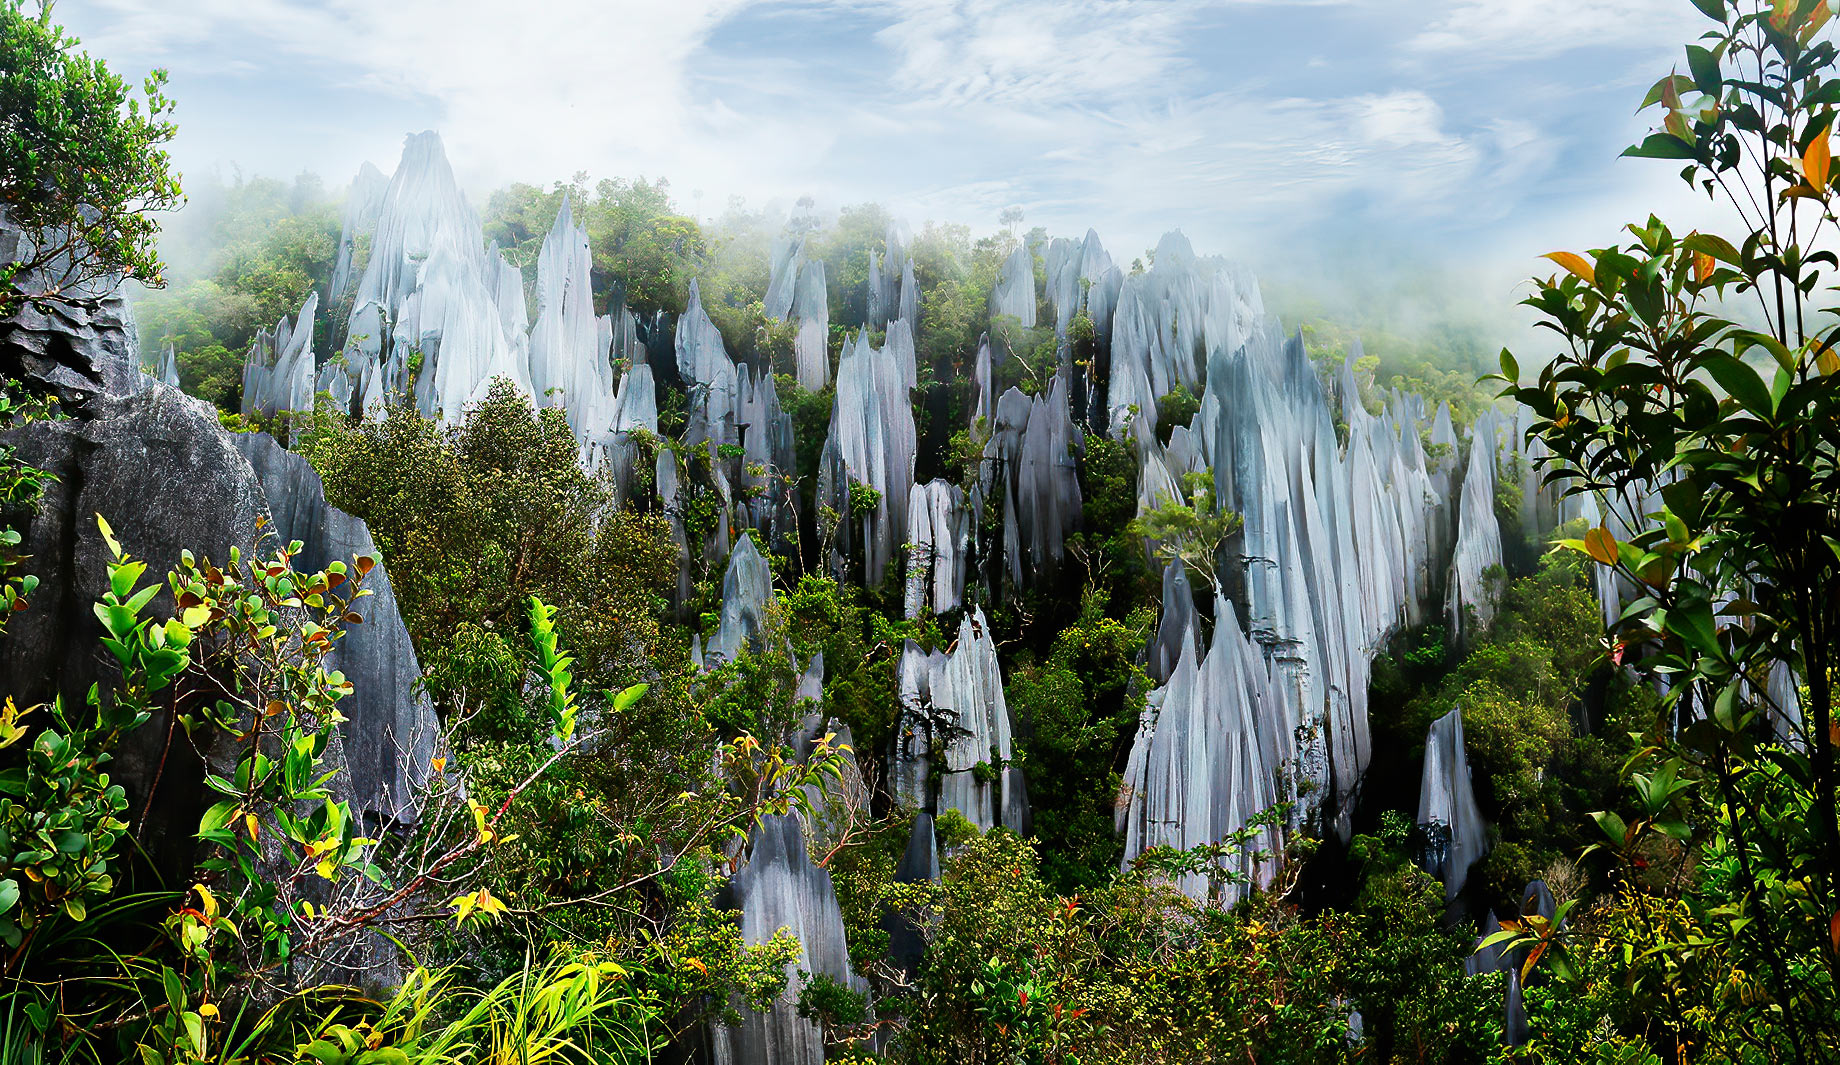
(1256,126)
(1496,30)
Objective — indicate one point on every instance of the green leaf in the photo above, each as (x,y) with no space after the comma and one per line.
(1705,67)
(216,817)
(1740,382)
(630,696)
(1712,9)
(1661,146)
(9,894)
(1613,827)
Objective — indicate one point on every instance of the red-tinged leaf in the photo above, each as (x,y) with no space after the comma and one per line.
(1833,930)
(1574,263)
(1816,19)
(1703,265)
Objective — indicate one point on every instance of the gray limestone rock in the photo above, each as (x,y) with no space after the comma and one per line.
(1177,629)
(1015,293)
(569,364)
(780,887)
(811,308)
(1470,602)
(278,373)
(1445,800)
(953,703)
(391,731)
(209,498)
(433,290)
(1213,750)
(1029,465)
(73,351)
(871,445)
(363,203)
(938,547)
(747,589)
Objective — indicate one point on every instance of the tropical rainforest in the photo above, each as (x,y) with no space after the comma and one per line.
(570,630)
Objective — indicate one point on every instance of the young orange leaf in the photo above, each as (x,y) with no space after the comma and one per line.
(1600,545)
(1575,263)
(1816,161)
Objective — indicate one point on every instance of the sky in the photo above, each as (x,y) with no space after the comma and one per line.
(1338,136)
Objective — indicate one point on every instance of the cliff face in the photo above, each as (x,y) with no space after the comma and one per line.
(159,467)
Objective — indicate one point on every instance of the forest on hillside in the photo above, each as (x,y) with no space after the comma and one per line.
(565,629)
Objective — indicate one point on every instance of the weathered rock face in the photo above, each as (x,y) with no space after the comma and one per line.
(892,292)
(953,704)
(207,497)
(938,547)
(1178,629)
(73,352)
(1029,469)
(279,372)
(1212,750)
(780,887)
(747,588)
(797,292)
(392,731)
(871,445)
(1446,800)
(167,372)
(1015,294)
(433,292)
(363,203)
(1471,599)
(1343,541)
(569,365)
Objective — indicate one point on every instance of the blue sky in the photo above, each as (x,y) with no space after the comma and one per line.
(1472,134)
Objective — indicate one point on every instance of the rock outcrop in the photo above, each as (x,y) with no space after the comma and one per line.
(208,497)
(871,446)
(1213,751)
(953,704)
(1447,805)
(780,887)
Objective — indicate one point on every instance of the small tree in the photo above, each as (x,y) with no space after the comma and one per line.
(82,165)
(1190,530)
(1712,445)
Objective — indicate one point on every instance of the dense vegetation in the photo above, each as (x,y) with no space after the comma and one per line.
(595,787)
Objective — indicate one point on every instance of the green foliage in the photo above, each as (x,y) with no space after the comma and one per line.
(476,520)
(643,250)
(1136,972)
(1733,428)
(266,245)
(864,499)
(1176,408)
(82,164)
(1192,530)
(831,1005)
(1077,716)
(20,488)
(1439,358)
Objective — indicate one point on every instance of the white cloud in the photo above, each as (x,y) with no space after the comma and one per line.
(1251,124)
(1496,30)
